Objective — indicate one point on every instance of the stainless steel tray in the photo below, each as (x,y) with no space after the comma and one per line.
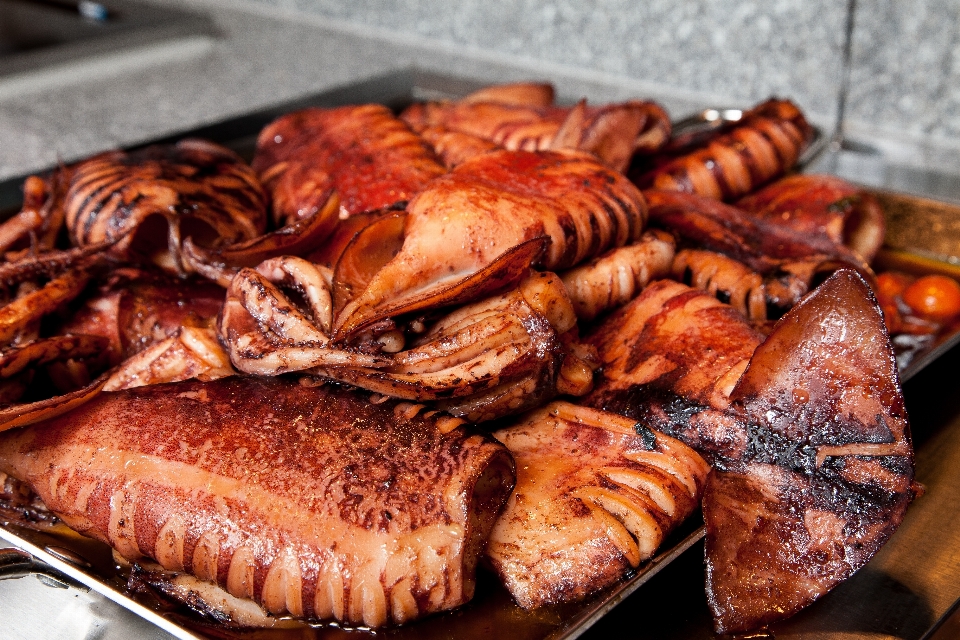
(492,612)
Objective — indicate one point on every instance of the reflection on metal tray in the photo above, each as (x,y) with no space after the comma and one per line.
(492,612)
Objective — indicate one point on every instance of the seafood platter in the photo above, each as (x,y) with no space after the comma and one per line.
(390,363)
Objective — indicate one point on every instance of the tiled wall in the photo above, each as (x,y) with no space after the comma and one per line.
(905,81)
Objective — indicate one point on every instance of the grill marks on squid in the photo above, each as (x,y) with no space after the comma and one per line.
(764,144)
(188,184)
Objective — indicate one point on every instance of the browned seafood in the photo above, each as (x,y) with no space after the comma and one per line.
(63,363)
(522,117)
(822,205)
(828,472)
(364,154)
(669,357)
(135,309)
(264,498)
(616,277)
(789,261)
(36,227)
(596,494)
(473,217)
(147,202)
(455,147)
(811,446)
(189,353)
(494,357)
(730,281)
(763,145)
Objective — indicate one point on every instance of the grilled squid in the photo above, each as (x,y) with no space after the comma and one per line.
(596,494)
(467,224)
(494,357)
(263,498)
(522,117)
(825,206)
(806,431)
(145,203)
(829,472)
(616,277)
(763,145)
(789,261)
(363,155)
(730,281)
(671,357)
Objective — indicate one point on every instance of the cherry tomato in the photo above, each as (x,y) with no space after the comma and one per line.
(934,297)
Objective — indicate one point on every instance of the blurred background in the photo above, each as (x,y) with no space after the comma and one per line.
(175,64)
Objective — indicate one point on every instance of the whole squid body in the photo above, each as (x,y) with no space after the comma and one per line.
(807,434)
(317,504)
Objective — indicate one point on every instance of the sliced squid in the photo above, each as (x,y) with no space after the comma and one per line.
(730,281)
(596,495)
(616,277)
(763,145)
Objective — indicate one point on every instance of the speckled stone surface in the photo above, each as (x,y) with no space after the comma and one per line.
(740,50)
(263,53)
(905,78)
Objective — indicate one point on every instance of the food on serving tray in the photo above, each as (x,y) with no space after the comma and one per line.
(596,495)
(764,144)
(419,284)
(363,154)
(486,359)
(788,261)
(475,217)
(827,471)
(522,116)
(810,444)
(146,202)
(315,503)
(822,205)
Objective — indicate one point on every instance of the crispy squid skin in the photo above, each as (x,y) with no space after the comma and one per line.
(250,483)
(828,472)
(197,188)
(468,219)
(596,494)
(764,144)
(371,158)
(671,358)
